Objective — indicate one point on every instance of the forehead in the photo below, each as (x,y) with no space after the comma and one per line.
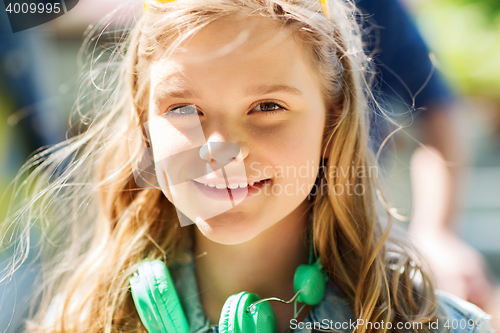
(241,49)
(238,34)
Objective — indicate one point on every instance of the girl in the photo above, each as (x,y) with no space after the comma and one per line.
(252,117)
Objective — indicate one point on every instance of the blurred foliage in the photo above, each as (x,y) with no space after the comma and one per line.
(465,37)
(491,8)
(6,104)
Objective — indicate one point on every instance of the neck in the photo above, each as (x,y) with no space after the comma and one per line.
(264,265)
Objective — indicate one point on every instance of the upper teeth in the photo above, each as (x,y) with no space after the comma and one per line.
(230,186)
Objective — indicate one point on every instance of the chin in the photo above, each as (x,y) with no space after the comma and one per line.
(228,233)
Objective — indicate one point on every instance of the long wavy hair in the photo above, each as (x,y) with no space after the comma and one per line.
(98,224)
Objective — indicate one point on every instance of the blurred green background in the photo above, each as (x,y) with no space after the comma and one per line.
(464,36)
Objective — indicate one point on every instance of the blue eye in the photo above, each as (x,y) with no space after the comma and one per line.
(182,111)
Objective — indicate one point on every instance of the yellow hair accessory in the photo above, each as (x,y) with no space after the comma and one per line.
(325,8)
(323,5)
(162,1)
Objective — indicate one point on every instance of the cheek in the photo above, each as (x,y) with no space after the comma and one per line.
(294,142)
(169,138)
(293,150)
(172,152)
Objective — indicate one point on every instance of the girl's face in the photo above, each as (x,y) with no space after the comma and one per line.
(239,98)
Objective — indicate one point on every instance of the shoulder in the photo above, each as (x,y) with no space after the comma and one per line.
(454,315)
(457,315)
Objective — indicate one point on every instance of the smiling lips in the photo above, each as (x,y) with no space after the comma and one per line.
(231,186)
(234,192)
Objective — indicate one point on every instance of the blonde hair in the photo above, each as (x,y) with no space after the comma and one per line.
(100,224)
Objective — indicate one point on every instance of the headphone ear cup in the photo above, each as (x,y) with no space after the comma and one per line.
(156,299)
(237,317)
(228,315)
(311,282)
(145,304)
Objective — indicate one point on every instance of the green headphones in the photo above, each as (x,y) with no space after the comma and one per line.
(160,310)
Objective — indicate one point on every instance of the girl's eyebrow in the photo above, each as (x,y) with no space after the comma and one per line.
(163,91)
(181,93)
(267,89)
(256,90)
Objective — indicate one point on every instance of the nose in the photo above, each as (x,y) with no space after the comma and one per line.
(219,154)
(225,139)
